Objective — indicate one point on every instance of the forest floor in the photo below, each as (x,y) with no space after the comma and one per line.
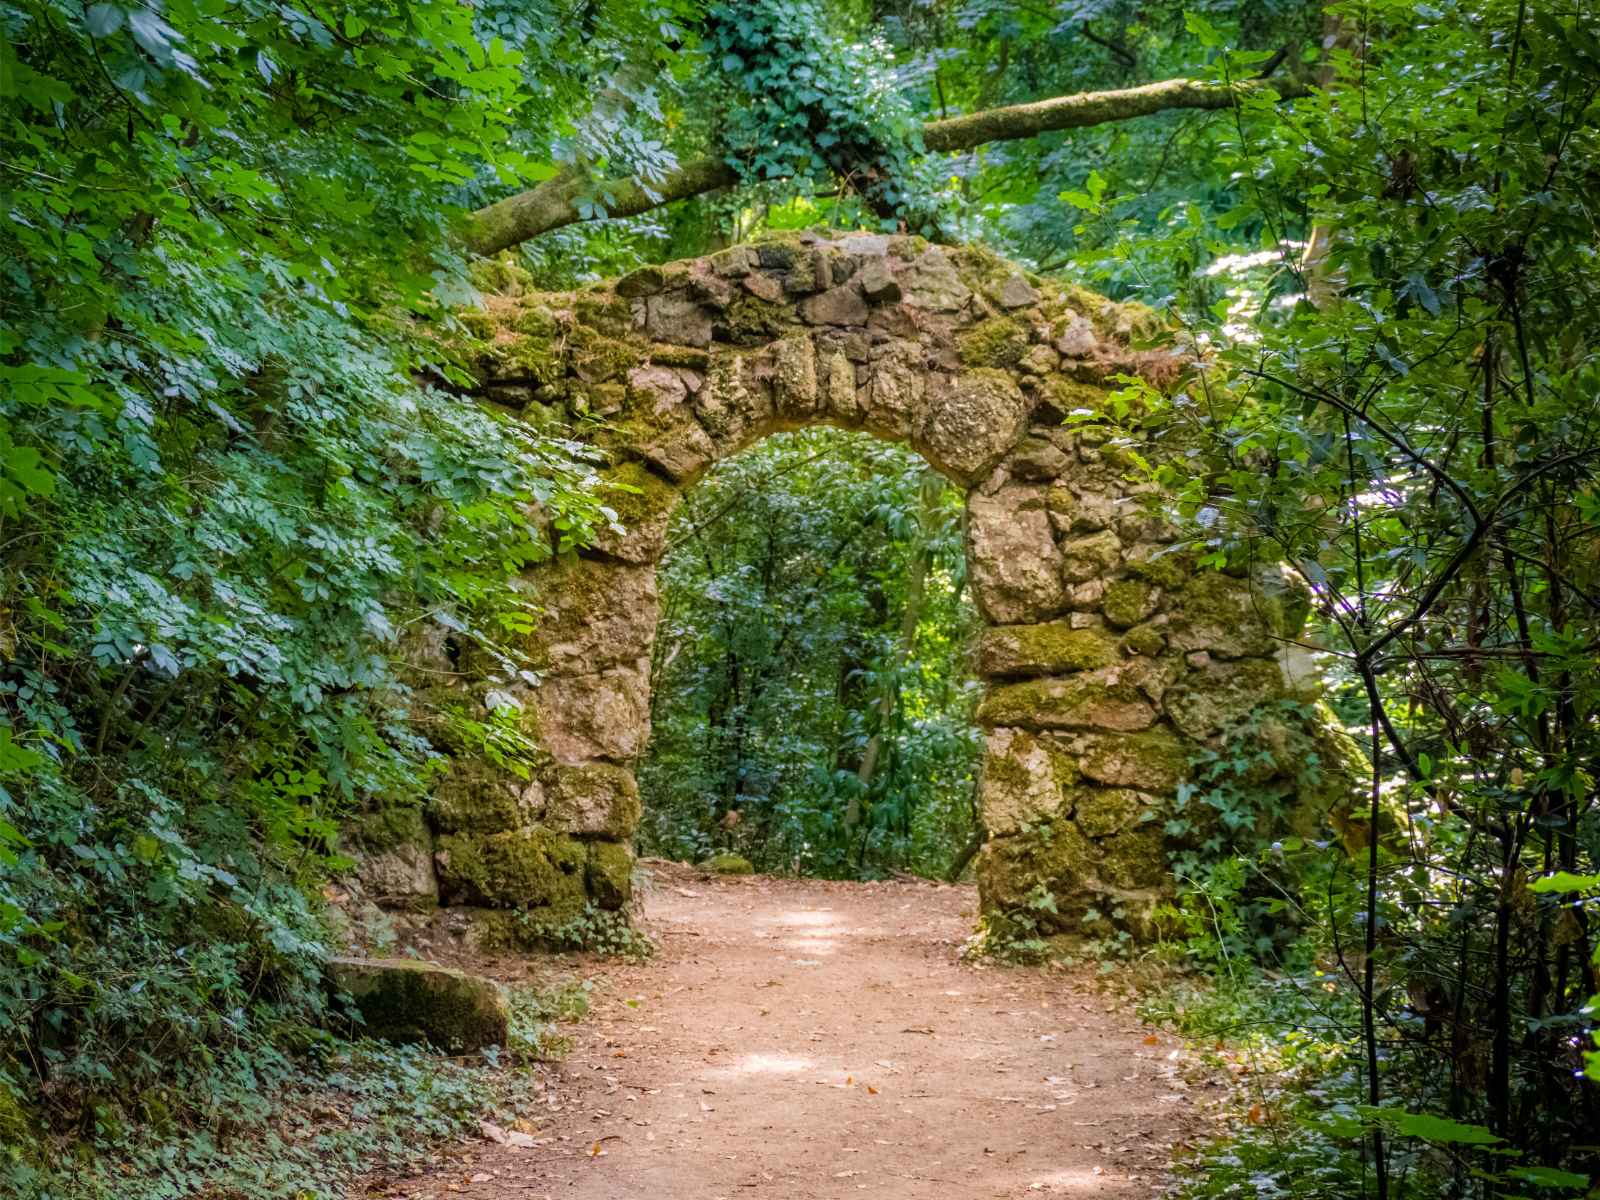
(801,1039)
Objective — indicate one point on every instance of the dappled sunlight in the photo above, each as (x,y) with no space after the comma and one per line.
(762,1064)
(808,917)
(1084,1180)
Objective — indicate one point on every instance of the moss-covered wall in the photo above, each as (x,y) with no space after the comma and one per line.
(1109,658)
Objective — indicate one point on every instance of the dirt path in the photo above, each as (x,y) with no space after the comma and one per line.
(801,1039)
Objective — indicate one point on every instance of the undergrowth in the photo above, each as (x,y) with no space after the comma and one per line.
(305,1125)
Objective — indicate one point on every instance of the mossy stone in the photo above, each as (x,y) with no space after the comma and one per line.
(1100,812)
(610,874)
(1154,760)
(404,1000)
(1128,601)
(1081,702)
(1050,648)
(1025,780)
(643,503)
(1145,640)
(1206,701)
(996,342)
(1164,567)
(476,796)
(595,358)
(594,798)
(728,864)
(387,826)
(525,868)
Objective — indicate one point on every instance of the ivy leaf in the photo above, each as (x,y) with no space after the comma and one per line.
(1565,881)
(102,20)
(1440,1130)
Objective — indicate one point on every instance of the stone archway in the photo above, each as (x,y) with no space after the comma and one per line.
(1108,659)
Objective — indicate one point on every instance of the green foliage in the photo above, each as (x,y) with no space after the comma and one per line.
(801,101)
(300,1127)
(1398,400)
(537,1011)
(812,708)
(595,930)
(235,500)
(1225,833)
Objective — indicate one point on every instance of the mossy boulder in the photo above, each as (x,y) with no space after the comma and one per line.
(1051,648)
(525,868)
(403,1000)
(728,864)
(610,874)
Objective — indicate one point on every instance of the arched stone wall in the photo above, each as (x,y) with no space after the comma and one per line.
(1107,657)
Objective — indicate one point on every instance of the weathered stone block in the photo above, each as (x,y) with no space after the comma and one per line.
(393,853)
(524,868)
(1127,602)
(596,614)
(1155,760)
(1091,557)
(1054,648)
(931,281)
(676,317)
(1100,811)
(1024,781)
(604,715)
(610,874)
(591,798)
(971,422)
(475,796)
(644,504)
(896,391)
(1097,700)
(1209,700)
(843,305)
(404,1000)
(1015,566)
(734,405)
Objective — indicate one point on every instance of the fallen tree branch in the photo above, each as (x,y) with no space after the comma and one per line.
(554,203)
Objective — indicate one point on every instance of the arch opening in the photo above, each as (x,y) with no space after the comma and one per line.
(811,687)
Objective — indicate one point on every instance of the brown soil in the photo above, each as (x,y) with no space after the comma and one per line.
(798,1039)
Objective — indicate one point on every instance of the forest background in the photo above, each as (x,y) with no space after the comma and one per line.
(232,486)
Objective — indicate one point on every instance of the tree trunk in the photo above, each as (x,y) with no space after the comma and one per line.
(554,203)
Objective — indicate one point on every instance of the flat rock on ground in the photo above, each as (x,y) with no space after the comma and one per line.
(799,1039)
